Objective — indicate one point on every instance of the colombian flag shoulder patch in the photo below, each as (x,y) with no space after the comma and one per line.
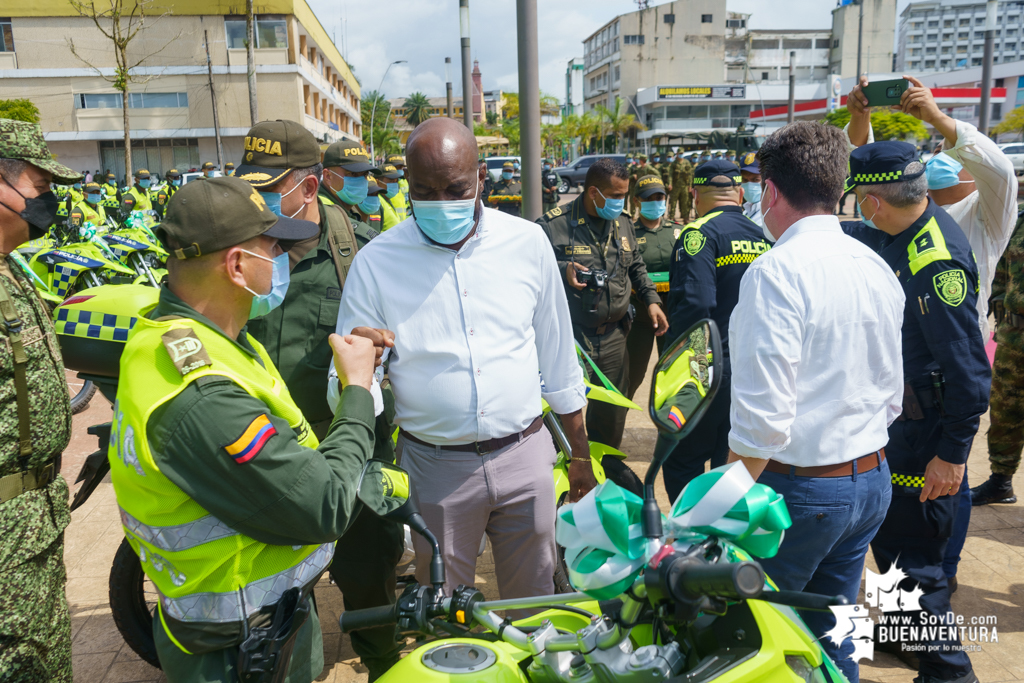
(252,440)
(677,417)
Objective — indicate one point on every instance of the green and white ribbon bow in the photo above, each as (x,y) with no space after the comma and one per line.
(603,541)
(726,502)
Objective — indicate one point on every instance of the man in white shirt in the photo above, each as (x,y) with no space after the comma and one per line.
(817,372)
(476,305)
(750,171)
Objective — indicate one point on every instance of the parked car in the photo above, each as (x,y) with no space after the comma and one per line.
(494,165)
(575,173)
(187,178)
(1015,151)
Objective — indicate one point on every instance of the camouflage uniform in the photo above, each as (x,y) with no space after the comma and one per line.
(35,629)
(679,196)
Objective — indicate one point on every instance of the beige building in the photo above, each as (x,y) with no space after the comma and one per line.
(878,39)
(300,75)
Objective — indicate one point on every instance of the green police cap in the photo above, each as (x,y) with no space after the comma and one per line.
(24,141)
(348,155)
(273,149)
(508,165)
(388,171)
(95,187)
(228,166)
(395,159)
(206,217)
(373,187)
(174,173)
(208,166)
(142,173)
(648,185)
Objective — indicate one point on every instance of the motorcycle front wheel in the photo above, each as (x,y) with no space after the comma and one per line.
(81,392)
(133,603)
(619,472)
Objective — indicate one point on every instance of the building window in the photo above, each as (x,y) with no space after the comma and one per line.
(963,35)
(979,21)
(1011,47)
(944,64)
(947,23)
(670,18)
(795,44)
(764,77)
(111,101)
(835,43)
(6,35)
(764,44)
(821,43)
(965,22)
(930,64)
(271,32)
(929,50)
(976,61)
(633,39)
(933,24)
(153,100)
(707,19)
(616,73)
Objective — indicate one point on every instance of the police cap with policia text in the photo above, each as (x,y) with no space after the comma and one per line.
(348,155)
(646,185)
(273,149)
(882,162)
(388,171)
(206,217)
(717,173)
(395,160)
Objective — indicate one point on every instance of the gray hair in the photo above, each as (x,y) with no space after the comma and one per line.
(905,193)
(299,174)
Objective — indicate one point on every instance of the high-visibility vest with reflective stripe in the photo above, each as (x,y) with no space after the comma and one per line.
(388,213)
(401,205)
(142,202)
(202,568)
(96,215)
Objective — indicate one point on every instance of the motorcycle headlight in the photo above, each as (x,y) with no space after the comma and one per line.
(804,669)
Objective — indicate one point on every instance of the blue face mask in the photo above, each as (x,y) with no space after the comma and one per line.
(943,171)
(612,208)
(445,222)
(111,182)
(547,167)
(77,186)
(401,173)
(176,182)
(516,164)
(370,205)
(751,192)
(652,210)
(392,189)
(93,198)
(144,182)
(354,189)
(265,303)
(273,200)
(867,221)
(506,175)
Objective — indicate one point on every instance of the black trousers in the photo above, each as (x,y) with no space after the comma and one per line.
(606,422)
(708,441)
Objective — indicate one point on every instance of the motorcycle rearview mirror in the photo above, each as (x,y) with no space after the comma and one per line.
(686,380)
(386,490)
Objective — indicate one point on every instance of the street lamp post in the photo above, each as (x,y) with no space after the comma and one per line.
(373,112)
(467,78)
(448,83)
(986,66)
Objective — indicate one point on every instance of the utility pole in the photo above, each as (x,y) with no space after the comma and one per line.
(792,87)
(986,66)
(213,99)
(250,60)
(529,107)
(448,84)
(860,38)
(467,78)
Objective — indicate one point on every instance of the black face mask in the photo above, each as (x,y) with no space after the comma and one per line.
(39,212)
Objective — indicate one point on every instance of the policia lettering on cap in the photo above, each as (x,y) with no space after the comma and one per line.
(282,160)
(946,372)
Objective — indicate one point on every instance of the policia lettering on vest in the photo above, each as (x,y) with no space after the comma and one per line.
(295,336)
(230,500)
(946,372)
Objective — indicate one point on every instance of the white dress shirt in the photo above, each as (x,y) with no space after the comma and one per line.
(815,340)
(752,210)
(471,327)
(988,215)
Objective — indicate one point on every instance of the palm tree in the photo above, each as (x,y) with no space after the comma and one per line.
(618,121)
(589,127)
(417,108)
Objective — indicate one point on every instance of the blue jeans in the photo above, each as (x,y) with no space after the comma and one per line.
(956,542)
(834,520)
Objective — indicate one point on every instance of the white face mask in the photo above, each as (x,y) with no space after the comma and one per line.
(764,218)
(293,190)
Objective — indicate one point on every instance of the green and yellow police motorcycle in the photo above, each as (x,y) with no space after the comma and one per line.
(678,598)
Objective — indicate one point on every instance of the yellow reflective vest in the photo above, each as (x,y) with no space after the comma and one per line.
(142,202)
(200,566)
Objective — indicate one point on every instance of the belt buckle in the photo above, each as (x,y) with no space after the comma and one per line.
(481,453)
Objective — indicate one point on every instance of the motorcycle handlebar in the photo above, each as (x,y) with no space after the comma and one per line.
(735,581)
(357,620)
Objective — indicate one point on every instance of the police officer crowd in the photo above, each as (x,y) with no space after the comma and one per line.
(235,458)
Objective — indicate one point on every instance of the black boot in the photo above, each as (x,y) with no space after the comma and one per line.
(997,489)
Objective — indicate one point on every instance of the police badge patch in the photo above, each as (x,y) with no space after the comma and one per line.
(951,286)
(693,242)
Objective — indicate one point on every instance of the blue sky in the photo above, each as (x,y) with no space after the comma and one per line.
(424,32)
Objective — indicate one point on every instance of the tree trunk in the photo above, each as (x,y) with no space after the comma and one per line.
(127,136)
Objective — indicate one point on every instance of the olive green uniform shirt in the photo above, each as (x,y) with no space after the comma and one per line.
(656,246)
(507,188)
(596,243)
(363,231)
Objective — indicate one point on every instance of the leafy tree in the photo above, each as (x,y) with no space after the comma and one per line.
(510,109)
(492,118)
(618,121)
(376,135)
(510,130)
(887,125)
(19,110)
(1011,123)
(417,108)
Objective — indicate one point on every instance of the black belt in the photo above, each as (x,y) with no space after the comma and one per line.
(601,330)
(483,447)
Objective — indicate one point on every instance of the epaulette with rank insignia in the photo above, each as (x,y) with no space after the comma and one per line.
(553,213)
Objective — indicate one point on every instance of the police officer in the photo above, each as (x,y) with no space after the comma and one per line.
(140,191)
(206,435)
(35,419)
(282,160)
(681,174)
(549,185)
(401,200)
(388,177)
(946,373)
(229,169)
(370,208)
(710,259)
(346,171)
(642,169)
(596,251)
(110,188)
(507,194)
(655,237)
(209,170)
(90,210)
(750,171)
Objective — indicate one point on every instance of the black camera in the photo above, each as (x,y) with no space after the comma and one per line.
(595,278)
